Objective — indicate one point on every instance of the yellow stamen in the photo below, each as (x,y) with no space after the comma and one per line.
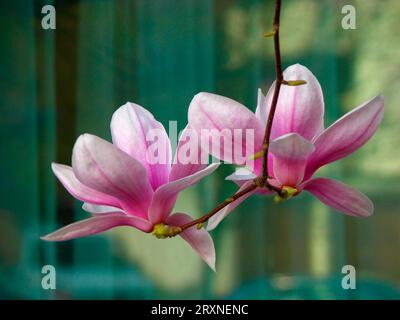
(162,231)
(287,193)
(278,199)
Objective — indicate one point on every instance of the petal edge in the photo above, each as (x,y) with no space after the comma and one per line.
(340,197)
(199,240)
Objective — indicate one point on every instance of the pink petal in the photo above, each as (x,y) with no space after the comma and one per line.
(199,240)
(290,153)
(224,119)
(187,157)
(300,109)
(100,165)
(241,174)
(215,220)
(262,109)
(80,191)
(99,210)
(165,196)
(96,225)
(340,197)
(132,129)
(244,177)
(347,134)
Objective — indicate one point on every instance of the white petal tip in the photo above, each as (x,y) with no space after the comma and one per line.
(376,102)
(291,143)
(210,261)
(241,174)
(55,166)
(212,167)
(49,238)
(370,210)
(211,226)
(364,214)
(201,94)
(215,166)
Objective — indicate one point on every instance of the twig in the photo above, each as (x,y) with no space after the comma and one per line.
(262,180)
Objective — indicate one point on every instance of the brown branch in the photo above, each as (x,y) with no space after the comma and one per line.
(262,180)
(279,80)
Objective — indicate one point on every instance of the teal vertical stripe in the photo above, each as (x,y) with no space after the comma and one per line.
(174,55)
(174,61)
(19,201)
(47,137)
(94,110)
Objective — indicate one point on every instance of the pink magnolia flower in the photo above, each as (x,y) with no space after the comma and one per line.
(120,186)
(299,143)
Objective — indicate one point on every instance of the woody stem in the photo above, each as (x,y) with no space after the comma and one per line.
(262,180)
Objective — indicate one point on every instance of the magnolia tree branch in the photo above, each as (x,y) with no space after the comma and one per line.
(262,180)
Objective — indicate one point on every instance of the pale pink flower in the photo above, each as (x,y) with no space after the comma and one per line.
(121,187)
(299,143)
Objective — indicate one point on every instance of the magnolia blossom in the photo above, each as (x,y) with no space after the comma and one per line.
(121,185)
(299,143)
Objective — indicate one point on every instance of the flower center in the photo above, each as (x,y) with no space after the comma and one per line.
(288,192)
(162,231)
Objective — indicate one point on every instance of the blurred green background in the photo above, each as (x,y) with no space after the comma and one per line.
(57,84)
